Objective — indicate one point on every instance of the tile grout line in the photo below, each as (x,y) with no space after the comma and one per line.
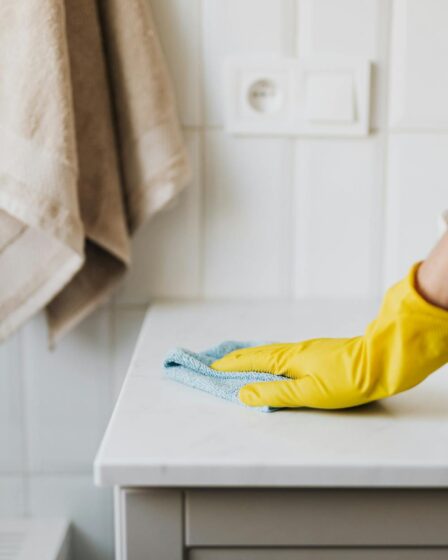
(111,356)
(25,472)
(295,185)
(294,15)
(291,253)
(115,309)
(383,217)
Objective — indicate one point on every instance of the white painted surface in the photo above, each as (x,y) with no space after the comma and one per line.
(316,554)
(151,524)
(165,434)
(319,517)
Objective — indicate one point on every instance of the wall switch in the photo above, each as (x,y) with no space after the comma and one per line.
(329,98)
(317,96)
(333,96)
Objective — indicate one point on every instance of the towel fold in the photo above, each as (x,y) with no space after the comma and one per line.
(90,148)
(193,369)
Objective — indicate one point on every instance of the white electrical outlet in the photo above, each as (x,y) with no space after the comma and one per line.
(259,95)
(318,96)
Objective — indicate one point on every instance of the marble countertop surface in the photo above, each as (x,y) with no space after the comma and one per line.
(165,434)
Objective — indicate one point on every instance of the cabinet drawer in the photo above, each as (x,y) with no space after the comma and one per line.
(319,554)
(317,518)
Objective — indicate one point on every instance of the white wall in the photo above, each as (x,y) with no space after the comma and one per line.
(263,218)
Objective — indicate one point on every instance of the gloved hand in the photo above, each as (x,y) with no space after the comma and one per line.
(400,348)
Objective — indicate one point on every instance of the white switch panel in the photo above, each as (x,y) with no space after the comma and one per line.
(329,98)
(317,96)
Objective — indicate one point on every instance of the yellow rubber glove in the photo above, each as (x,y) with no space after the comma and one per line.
(400,348)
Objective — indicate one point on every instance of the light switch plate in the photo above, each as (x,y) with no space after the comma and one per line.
(348,82)
(316,96)
(329,98)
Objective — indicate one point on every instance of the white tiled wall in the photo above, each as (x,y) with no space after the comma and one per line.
(263,217)
(417,190)
(337,204)
(419,84)
(349,27)
(247,182)
(231,27)
(66,394)
(11,408)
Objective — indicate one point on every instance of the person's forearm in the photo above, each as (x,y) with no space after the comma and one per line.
(432,275)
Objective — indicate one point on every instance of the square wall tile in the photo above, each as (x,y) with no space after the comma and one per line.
(126,325)
(166,252)
(246,27)
(12,496)
(417,195)
(11,412)
(338,199)
(338,27)
(419,51)
(67,394)
(179,28)
(89,510)
(247,211)
(349,27)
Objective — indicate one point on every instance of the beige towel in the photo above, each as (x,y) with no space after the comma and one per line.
(90,148)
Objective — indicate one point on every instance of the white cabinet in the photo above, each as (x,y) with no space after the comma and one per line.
(318,554)
(312,524)
(316,517)
(201,478)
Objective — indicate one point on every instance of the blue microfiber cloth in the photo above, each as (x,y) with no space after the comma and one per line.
(194,369)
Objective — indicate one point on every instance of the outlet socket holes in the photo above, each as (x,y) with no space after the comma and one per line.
(264,96)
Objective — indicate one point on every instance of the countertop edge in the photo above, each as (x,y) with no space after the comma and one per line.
(284,477)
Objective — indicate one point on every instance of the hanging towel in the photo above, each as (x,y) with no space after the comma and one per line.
(90,149)
(193,369)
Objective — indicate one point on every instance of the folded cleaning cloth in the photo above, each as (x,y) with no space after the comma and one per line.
(193,369)
(90,148)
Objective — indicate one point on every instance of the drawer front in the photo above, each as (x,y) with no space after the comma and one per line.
(317,518)
(319,554)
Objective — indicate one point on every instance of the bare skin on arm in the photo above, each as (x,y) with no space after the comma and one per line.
(432,276)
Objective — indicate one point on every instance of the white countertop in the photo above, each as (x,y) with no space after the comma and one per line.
(165,434)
